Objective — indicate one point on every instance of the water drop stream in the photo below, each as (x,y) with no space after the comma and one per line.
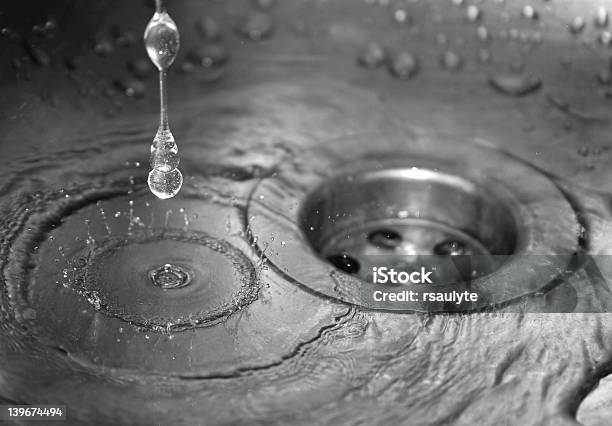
(162,42)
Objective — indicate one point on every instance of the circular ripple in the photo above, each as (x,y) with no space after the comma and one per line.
(114,277)
(170,276)
(101,241)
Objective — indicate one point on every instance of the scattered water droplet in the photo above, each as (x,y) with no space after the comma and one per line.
(103,48)
(372,55)
(601,17)
(400,16)
(39,56)
(577,25)
(528,12)
(141,68)
(257,26)
(131,88)
(474,14)
(263,4)
(209,29)
(441,38)
(209,55)
(605,38)
(484,56)
(482,33)
(515,84)
(404,66)
(451,61)
(604,76)
(187,67)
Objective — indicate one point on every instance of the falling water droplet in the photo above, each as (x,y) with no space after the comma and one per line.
(165,185)
(162,42)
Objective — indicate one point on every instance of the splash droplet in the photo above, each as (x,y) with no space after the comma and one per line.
(170,276)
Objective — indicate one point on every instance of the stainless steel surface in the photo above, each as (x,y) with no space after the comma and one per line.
(281,92)
(428,193)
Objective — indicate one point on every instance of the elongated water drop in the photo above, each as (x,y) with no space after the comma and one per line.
(162,42)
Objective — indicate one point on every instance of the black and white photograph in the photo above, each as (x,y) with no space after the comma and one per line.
(306,212)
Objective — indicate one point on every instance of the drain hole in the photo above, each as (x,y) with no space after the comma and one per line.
(417,216)
(452,248)
(385,238)
(344,262)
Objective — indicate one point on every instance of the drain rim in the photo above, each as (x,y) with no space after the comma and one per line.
(275,207)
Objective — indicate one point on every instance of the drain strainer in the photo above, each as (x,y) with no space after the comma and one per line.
(422,217)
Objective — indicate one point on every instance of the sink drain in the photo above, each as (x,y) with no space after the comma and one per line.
(396,216)
(476,219)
